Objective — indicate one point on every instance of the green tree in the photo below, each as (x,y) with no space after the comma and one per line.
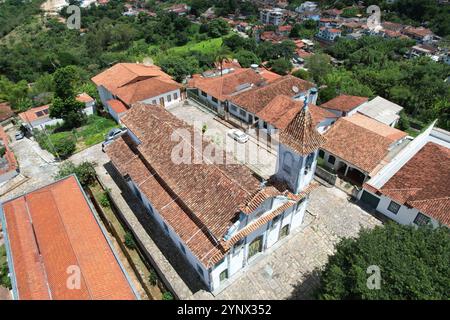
(413,264)
(247,58)
(85,172)
(281,66)
(318,66)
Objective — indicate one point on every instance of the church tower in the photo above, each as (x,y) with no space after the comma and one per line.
(298,149)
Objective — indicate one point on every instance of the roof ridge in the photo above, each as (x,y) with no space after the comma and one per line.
(431,199)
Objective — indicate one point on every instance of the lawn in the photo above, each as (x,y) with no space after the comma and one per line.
(93,132)
(207,46)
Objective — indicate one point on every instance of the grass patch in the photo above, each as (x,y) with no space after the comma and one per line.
(95,130)
(146,272)
(207,47)
(5,281)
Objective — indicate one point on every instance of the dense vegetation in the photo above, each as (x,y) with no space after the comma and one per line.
(16,12)
(375,66)
(5,281)
(413,264)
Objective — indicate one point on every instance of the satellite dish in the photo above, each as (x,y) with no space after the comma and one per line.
(295,89)
(147,61)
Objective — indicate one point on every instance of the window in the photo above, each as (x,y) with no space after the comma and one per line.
(169,98)
(153,101)
(331,159)
(242,113)
(182,248)
(214,99)
(394,207)
(421,219)
(321,154)
(45,111)
(175,96)
(204,94)
(309,161)
(233,108)
(39,113)
(223,275)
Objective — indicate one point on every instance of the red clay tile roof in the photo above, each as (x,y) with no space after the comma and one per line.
(222,87)
(198,201)
(423,182)
(117,105)
(361,143)
(5,111)
(35,113)
(84,98)
(301,134)
(52,229)
(256,99)
(282,109)
(418,32)
(344,103)
(133,82)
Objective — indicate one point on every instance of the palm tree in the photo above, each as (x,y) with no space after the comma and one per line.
(221,56)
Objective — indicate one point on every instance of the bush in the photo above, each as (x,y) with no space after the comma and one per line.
(153,278)
(403,122)
(104,200)
(167,296)
(64,146)
(2,151)
(129,240)
(301,74)
(85,172)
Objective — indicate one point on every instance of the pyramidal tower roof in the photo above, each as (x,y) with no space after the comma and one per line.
(301,134)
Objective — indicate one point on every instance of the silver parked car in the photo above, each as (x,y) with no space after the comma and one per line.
(112,135)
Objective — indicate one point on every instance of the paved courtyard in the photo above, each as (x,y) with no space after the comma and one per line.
(287,271)
(251,153)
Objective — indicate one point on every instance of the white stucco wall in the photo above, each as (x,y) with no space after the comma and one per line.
(404,215)
(298,178)
(156,100)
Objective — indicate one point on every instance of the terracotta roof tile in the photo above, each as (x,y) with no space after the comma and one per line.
(198,201)
(52,229)
(344,103)
(282,109)
(256,99)
(423,182)
(35,113)
(361,141)
(222,87)
(84,98)
(117,105)
(301,134)
(133,82)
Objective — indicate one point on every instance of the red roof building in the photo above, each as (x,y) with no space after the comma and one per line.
(57,248)
(344,105)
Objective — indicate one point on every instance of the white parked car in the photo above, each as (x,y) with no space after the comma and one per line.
(238,135)
(112,135)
